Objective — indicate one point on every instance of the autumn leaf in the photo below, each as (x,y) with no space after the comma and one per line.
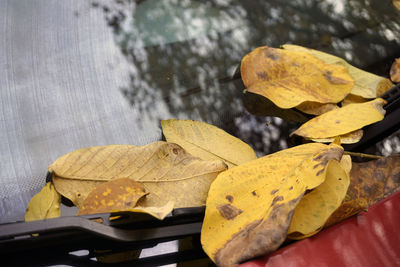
(116,195)
(289,78)
(353,99)
(349,138)
(395,69)
(44,205)
(315,108)
(343,120)
(207,141)
(396,4)
(166,170)
(249,207)
(366,84)
(370,182)
(315,208)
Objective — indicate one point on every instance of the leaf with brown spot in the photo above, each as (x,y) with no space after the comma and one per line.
(343,120)
(116,195)
(265,193)
(395,70)
(366,84)
(370,182)
(166,170)
(207,141)
(292,77)
(44,205)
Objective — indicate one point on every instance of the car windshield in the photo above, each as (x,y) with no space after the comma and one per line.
(76,74)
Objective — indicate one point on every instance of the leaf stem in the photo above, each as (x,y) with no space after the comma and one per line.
(362,155)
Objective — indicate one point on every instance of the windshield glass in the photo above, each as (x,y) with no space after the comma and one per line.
(88,73)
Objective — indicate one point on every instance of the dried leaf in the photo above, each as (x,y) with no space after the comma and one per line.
(369,182)
(207,141)
(249,207)
(349,138)
(343,120)
(395,69)
(289,78)
(159,212)
(366,84)
(315,108)
(44,205)
(115,195)
(315,208)
(352,99)
(396,4)
(166,170)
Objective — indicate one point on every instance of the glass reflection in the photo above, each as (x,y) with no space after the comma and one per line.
(183,54)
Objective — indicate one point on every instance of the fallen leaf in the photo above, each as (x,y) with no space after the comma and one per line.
(396,4)
(366,84)
(315,208)
(261,106)
(395,69)
(343,120)
(44,205)
(207,141)
(315,108)
(159,212)
(352,99)
(166,170)
(289,78)
(349,138)
(115,195)
(249,207)
(370,182)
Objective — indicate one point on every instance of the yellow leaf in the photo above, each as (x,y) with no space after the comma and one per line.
(343,120)
(349,138)
(315,108)
(352,99)
(396,4)
(207,141)
(158,212)
(316,207)
(166,170)
(366,84)
(115,195)
(44,205)
(289,78)
(249,207)
(395,69)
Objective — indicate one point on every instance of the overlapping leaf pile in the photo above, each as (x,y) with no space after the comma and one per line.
(315,82)
(258,203)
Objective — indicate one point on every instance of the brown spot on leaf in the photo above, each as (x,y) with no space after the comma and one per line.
(291,188)
(337,121)
(276,199)
(254,193)
(228,211)
(324,156)
(229,198)
(175,151)
(273,192)
(259,237)
(262,75)
(333,79)
(270,53)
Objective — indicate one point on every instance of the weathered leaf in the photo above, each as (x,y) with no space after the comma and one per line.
(396,4)
(159,212)
(316,207)
(366,84)
(249,207)
(315,108)
(369,182)
(207,141)
(343,120)
(352,99)
(44,205)
(166,170)
(349,138)
(261,106)
(395,69)
(115,195)
(289,78)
